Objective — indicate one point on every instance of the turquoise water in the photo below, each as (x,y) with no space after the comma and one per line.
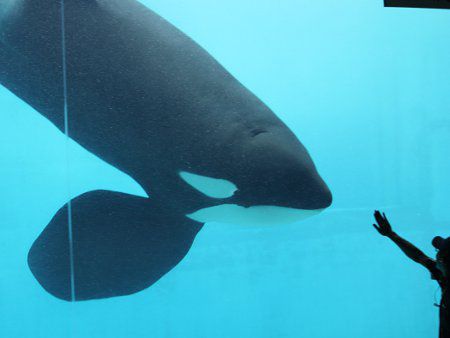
(365,89)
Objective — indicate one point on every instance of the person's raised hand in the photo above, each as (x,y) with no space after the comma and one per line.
(383,226)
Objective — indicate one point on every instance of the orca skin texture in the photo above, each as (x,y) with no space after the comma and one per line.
(148,100)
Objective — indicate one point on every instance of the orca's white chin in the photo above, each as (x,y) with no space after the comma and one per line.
(261,215)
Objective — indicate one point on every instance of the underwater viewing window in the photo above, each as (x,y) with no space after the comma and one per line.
(252,169)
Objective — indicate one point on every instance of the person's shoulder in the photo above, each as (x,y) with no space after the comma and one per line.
(436,274)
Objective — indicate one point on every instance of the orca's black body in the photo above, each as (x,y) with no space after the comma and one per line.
(148,100)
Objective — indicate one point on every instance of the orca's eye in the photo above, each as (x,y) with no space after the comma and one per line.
(211,187)
(257,131)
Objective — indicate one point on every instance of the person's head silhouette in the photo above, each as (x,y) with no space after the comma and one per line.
(443,255)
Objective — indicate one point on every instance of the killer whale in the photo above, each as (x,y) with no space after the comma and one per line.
(147,99)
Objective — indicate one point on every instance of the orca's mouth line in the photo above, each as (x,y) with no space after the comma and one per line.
(258,215)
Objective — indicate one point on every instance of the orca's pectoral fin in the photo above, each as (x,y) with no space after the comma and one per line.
(122,244)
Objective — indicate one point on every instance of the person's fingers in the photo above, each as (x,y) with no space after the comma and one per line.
(379,218)
(377,228)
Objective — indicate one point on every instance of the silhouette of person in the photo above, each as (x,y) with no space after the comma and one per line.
(439,268)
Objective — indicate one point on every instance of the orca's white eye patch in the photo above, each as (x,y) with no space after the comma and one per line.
(211,187)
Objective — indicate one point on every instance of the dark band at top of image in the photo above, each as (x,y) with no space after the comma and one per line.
(418,3)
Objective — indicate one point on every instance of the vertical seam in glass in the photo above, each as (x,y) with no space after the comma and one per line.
(66,132)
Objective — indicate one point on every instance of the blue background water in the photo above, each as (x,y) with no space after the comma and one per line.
(365,88)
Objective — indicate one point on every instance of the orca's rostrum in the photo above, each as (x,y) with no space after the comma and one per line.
(145,98)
